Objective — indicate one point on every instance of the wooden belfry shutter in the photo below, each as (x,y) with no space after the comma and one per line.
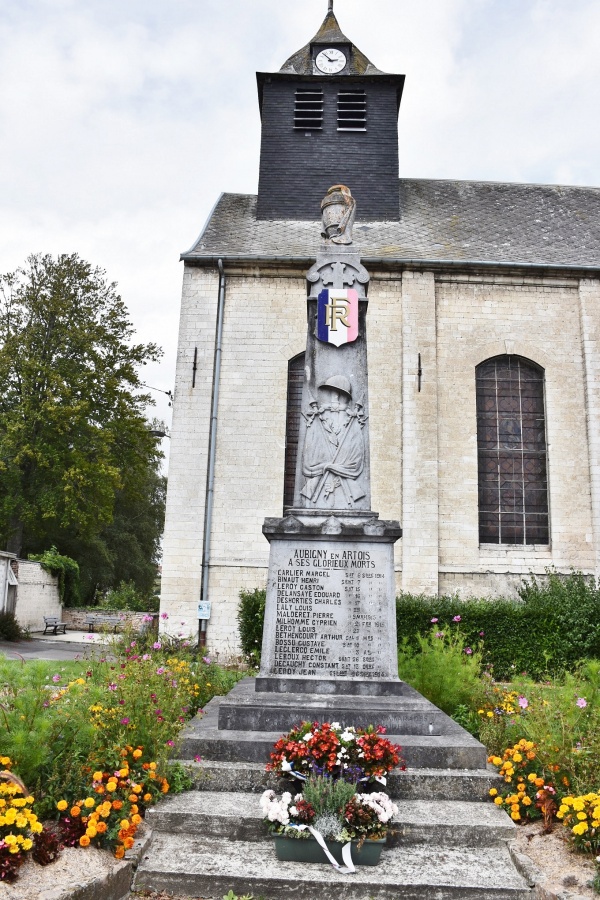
(292,431)
(511,443)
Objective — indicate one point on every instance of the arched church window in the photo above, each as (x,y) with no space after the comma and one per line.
(292,430)
(511,444)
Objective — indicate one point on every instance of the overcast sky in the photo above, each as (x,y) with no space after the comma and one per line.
(123,120)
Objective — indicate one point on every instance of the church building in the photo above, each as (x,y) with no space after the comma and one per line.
(484,363)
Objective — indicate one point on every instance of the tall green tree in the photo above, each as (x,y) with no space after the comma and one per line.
(75,446)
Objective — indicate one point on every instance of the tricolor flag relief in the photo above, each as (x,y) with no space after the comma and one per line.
(337,317)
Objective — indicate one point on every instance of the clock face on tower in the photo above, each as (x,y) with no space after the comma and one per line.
(330,62)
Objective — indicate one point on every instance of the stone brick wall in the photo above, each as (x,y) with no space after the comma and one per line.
(75,618)
(37,595)
(423,443)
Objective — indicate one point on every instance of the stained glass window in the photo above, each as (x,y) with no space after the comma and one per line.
(511,442)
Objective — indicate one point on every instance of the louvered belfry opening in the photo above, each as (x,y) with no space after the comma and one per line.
(352,110)
(292,430)
(308,110)
(511,442)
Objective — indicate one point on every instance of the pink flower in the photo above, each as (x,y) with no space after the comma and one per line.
(197,759)
(56,679)
(433,621)
(582,703)
(481,633)
(468,651)
(523,702)
(146,618)
(170,743)
(157,645)
(457,619)
(146,657)
(133,643)
(124,721)
(164,616)
(206,659)
(439,634)
(112,687)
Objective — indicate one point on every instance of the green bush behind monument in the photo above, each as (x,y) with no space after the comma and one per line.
(554,624)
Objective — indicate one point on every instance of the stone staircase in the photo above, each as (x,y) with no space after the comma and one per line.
(449,840)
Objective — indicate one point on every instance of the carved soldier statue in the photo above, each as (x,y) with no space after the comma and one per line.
(334,449)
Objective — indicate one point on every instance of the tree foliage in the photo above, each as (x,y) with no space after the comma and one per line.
(77,459)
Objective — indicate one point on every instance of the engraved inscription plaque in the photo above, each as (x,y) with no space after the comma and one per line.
(329,610)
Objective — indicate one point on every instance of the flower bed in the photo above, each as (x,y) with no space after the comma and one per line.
(92,739)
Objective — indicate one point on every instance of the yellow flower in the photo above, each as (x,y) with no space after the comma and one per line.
(580,829)
(532,777)
(518,758)
(493,792)
(89,802)
(62,805)
(490,715)
(498,801)
(27,844)
(582,816)
(515,816)
(97,776)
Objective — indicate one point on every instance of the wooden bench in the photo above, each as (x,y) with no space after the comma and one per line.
(102,621)
(53,624)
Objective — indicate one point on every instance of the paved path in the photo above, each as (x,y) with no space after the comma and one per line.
(48,647)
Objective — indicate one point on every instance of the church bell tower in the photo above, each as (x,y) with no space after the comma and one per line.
(329,116)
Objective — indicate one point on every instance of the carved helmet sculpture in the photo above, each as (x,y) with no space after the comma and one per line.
(340,383)
(339,211)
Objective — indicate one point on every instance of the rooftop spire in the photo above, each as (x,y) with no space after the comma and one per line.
(328,35)
(330,6)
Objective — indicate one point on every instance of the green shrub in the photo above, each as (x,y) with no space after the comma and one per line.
(65,569)
(551,629)
(251,620)
(10,630)
(126,596)
(443,668)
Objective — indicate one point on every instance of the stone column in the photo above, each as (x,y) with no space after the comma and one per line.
(420,516)
(589,306)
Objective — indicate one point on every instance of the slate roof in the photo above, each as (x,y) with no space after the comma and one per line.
(329,34)
(453,221)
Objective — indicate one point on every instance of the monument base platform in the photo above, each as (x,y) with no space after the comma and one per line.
(244,726)
(359,687)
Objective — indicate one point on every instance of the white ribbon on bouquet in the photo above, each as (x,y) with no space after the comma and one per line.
(349,868)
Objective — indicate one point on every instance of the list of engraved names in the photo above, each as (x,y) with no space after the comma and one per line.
(331,611)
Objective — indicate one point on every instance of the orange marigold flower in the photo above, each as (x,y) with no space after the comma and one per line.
(84,841)
(137,753)
(120,852)
(147,798)
(101,827)
(165,787)
(128,843)
(117,804)
(132,798)
(136,819)
(75,811)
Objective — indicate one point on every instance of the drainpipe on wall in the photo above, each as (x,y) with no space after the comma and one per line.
(212,449)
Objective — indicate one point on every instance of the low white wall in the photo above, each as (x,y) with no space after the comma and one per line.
(37,596)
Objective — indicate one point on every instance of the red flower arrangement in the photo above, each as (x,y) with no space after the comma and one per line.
(355,754)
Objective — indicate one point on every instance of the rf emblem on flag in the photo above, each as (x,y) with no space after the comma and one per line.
(337,317)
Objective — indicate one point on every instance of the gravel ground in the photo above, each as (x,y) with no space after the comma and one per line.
(566,873)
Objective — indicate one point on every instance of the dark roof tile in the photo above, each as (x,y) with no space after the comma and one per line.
(439,220)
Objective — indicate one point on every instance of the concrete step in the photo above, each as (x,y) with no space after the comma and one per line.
(238,817)
(469,785)
(245,709)
(210,867)
(203,737)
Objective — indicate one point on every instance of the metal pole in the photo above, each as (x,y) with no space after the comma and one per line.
(212,446)
(330,6)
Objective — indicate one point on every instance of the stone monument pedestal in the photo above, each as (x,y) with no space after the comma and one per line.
(330,620)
